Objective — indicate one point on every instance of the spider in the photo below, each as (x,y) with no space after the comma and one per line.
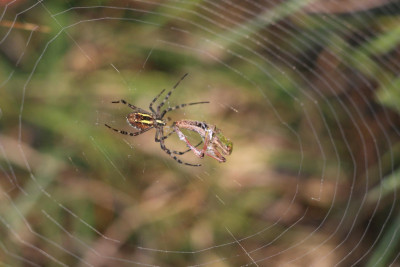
(216,145)
(144,121)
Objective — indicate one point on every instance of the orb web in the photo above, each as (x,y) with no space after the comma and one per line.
(306,90)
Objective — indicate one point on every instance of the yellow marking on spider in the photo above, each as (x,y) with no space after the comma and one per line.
(147,122)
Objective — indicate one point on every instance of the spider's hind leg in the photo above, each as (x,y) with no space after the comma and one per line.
(122,101)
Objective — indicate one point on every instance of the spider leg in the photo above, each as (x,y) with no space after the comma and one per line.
(181,153)
(164,137)
(214,153)
(169,93)
(125,103)
(207,139)
(182,106)
(197,152)
(128,133)
(174,151)
(154,100)
(169,152)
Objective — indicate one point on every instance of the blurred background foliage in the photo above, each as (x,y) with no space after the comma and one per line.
(306,90)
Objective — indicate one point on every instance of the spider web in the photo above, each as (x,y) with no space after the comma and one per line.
(306,90)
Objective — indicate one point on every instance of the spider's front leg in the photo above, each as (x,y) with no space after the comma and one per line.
(154,100)
(122,101)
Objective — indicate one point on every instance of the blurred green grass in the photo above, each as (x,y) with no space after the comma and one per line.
(129,189)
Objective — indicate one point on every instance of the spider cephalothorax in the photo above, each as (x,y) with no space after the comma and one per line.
(143,120)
